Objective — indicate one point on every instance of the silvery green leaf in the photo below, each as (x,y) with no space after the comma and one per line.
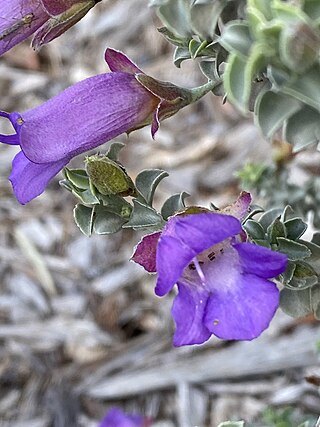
(295,251)
(83,217)
(288,12)
(305,87)
(143,216)
(175,14)
(236,38)
(78,177)
(85,196)
(312,9)
(232,424)
(262,6)
(277,77)
(204,18)
(105,221)
(171,37)
(304,277)
(233,79)
(303,128)
(276,230)
(239,75)
(314,259)
(181,54)
(116,204)
(288,213)
(173,205)
(295,303)
(272,109)
(316,238)
(295,228)
(287,275)
(114,150)
(262,242)
(147,181)
(195,47)
(209,69)
(268,217)
(254,229)
(299,47)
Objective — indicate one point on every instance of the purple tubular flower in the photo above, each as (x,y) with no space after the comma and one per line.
(18,20)
(223,286)
(47,19)
(116,418)
(81,118)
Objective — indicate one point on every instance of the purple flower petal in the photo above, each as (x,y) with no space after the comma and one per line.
(56,7)
(116,418)
(146,251)
(119,62)
(18,20)
(244,311)
(85,116)
(56,26)
(172,259)
(240,207)
(261,261)
(29,179)
(201,231)
(188,311)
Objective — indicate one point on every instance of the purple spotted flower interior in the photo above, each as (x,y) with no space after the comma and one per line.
(223,282)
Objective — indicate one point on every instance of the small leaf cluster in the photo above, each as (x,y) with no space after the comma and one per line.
(193,26)
(272,184)
(281,230)
(273,67)
(103,188)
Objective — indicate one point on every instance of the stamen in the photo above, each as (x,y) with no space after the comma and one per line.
(199,271)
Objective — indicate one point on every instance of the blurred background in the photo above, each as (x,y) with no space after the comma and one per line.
(80,327)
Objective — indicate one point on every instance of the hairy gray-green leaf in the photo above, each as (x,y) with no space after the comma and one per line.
(303,128)
(276,230)
(287,275)
(236,38)
(175,14)
(106,222)
(268,217)
(295,303)
(272,109)
(232,424)
(204,18)
(78,177)
(305,87)
(143,216)
(295,251)
(147,182)
(181,54)
(301,303)
(114,150)
(174,204)
(295,228)
(83,217)
(254,229)
(171,37)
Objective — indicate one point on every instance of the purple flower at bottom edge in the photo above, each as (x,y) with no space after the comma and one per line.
(116,418)
(223,286)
